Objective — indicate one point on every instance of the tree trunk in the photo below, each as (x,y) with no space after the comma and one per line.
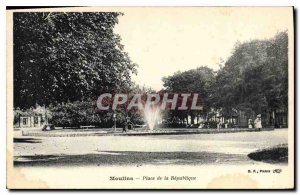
(192,118)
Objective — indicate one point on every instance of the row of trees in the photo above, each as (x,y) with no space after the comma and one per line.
(64,61)
(254,80)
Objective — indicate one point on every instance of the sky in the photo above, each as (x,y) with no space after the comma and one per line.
(164,40)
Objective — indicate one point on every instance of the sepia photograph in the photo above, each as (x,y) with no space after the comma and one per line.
(150,98)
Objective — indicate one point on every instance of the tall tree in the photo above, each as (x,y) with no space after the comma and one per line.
(255,78)
(200,80)
(60,57)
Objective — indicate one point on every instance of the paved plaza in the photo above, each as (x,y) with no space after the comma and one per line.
(191,149)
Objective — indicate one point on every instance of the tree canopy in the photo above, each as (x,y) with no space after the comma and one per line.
(60,57)
(200,80)
(255,77)
(67,60)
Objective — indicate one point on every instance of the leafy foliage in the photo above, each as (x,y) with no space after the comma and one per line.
(60,57)
(255,78)
(200,80)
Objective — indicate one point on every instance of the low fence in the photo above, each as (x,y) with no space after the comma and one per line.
(181,131)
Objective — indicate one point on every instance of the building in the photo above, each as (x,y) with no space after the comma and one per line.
(34,117)
(34,120)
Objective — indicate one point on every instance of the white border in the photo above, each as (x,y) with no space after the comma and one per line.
(4,3)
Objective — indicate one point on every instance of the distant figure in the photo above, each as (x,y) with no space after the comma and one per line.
(250,124)
(257,122)
(128,125)
(48,127)
(201,126)
(226,125)
(219,125)
(125,128)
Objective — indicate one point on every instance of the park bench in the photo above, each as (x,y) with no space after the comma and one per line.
(140,126)
(236,126)
(87,127)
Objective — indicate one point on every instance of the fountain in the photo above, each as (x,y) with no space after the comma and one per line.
(151,115)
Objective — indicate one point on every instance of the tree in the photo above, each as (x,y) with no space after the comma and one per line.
(254,78)
(200,80)
(61,57)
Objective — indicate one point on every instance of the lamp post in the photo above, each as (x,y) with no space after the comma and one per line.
(115,121)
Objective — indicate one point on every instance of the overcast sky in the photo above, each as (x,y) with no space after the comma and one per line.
(164,40)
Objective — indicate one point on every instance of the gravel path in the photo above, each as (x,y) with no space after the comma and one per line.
(193,149)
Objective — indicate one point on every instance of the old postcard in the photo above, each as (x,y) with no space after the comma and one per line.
(150,98)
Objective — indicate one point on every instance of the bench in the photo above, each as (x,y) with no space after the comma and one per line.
(86,127)
(140,126)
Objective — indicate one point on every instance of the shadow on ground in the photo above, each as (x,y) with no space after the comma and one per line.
(276,154)
(27,140)
(131,158)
